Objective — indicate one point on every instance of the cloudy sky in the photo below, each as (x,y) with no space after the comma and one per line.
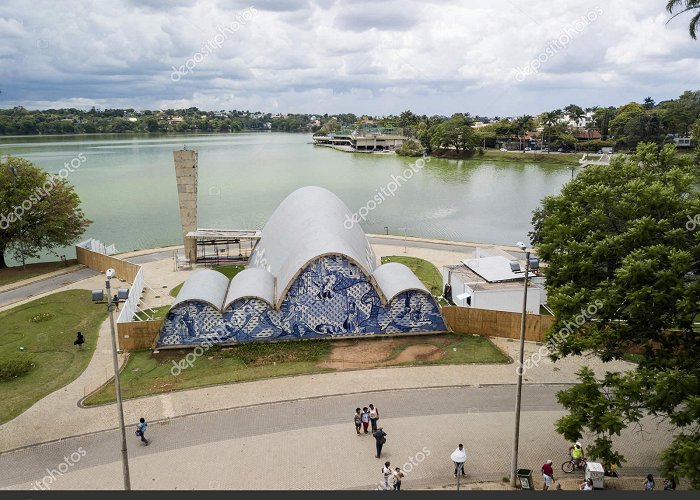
(501,57)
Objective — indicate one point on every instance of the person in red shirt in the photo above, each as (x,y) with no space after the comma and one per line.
(547,475)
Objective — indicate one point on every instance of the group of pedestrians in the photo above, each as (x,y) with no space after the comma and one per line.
(393,476)
(363,418)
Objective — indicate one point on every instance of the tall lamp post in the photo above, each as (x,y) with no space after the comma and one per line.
(120,411)
(519,390)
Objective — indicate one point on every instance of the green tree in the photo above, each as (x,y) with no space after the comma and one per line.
(522,125)
(410,147)
(549,120)
(682,6)
(457,133)
(623,274)
(37,211)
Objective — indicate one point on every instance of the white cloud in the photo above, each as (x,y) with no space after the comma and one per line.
(329,56)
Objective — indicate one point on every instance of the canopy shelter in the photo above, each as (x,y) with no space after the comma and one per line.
(224,246)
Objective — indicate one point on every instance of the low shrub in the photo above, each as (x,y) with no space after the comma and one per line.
(14,368)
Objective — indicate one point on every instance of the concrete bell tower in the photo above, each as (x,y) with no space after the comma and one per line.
(186,176)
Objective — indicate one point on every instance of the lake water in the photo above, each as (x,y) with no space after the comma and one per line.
(127,186)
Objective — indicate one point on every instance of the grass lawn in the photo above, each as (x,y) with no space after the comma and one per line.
(516,156)
(156,313)
(424,270)
(228,271)
(148,374)
(14,274)
(46,328)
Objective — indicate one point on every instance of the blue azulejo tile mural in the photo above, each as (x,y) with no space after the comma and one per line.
(331,297)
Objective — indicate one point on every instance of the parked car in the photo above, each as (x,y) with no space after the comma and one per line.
(528,149)
(545,150)
(504,150)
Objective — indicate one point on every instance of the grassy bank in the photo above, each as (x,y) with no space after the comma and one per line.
(46,329)
(146,373)
(14,274)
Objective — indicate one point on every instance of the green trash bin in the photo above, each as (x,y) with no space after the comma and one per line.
(525,477)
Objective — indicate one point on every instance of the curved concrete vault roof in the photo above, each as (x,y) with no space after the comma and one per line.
(308,224)
(204,286)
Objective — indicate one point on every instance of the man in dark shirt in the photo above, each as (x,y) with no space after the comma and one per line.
(380,438)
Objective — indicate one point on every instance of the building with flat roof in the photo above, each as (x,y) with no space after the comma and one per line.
(307,277)
(493,282)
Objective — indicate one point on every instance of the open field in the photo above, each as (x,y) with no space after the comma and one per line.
(147,373)
(14,274)
(46,329)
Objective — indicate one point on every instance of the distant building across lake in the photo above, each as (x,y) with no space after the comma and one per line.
(365,139)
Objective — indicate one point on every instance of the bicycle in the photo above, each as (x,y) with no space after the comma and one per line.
(570,465)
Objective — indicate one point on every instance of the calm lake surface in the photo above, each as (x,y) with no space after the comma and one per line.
(127,186)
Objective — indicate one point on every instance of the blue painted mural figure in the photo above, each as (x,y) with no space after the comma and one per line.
(331,297)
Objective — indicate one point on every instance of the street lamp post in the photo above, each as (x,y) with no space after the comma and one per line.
(115,361)
(519,390)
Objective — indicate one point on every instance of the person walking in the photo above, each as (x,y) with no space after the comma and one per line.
(373,416)
(141,430)
(365,419)
(358,420)
(115,301)
(386,473)
(396,479)
(547,475)
(649,483)
(459,456)
(79,341)
(380,438)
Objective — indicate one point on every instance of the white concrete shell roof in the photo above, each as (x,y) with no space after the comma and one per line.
(204,286)
(311,222)
(252,282)
(394,278)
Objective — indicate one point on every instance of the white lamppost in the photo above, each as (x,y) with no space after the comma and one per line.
(519,390)
(109,274)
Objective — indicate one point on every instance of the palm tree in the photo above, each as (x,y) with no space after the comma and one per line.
(522,125)
(682,6)
(550,118)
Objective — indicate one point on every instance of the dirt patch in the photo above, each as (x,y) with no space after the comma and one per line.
(419,353)
(354,354)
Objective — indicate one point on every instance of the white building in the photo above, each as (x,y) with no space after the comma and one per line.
(495,283)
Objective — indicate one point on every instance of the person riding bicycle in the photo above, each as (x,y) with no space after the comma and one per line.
(576,452)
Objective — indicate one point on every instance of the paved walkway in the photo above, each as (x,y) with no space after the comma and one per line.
(312,444)
(35,287)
